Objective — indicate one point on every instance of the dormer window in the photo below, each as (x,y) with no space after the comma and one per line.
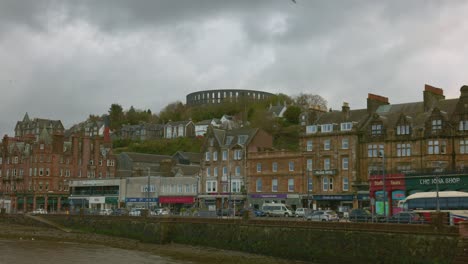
(241,139)
(463,125)
(229,140)
(346,126)
(327,128)
(311,129)
(376,129)
(403,130)
(436,125)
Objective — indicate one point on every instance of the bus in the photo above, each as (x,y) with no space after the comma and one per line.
(453,202)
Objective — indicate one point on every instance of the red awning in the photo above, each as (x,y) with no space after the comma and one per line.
(177,200)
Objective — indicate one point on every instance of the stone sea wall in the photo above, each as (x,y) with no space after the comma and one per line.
(299,240)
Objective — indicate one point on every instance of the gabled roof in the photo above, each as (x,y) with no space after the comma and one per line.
(414,112)
(276,109)
(193,157)
(45,137)
(204,122)
(221,135)
(176,123)
(337,117)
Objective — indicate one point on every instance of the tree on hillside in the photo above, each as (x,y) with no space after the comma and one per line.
(305,101)
(116,116)
(174,111)
(94,118)
(292,114)
(132,116)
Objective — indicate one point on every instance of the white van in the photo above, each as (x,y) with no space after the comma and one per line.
(277,209)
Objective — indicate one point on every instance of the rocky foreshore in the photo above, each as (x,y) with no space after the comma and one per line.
(175,251)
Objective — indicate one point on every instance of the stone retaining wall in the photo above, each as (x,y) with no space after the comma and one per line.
(300,240)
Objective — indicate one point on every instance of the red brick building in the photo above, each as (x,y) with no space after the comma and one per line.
(224,165)
(35,170)
(276,176)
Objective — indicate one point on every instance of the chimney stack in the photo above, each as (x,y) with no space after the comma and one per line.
(464,91)
(345,110)
(374,101)
(432,95)
(57,144)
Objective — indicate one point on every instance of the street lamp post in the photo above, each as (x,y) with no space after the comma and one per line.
(230,191)
(383,186)
(308,189)
(437,177)
(148,191)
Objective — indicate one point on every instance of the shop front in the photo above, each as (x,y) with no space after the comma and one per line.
(176,203)
(428,183)
(338,202)
(141,202)
(386,195)
(257,200)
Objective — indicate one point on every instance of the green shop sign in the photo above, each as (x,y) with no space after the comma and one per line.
(446,182)
(111,200)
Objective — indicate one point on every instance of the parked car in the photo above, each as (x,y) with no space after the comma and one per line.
(277,209)
(323,215)
(136,212)
(259,213)
(39,211)
(160,211)
(255,212)
(120,211)
(105,212)
(360,215)
(406,218)
(302,212)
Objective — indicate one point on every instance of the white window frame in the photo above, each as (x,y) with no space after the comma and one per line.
(326,144)
(326,163)
(463,125)
(274,166)
(310,165)
(326,128)
(325,184)
(346,126)
(345,184)
(291,185)
(345,163)
(259,167)
(291,165)
(258,185)
(345,143)
(310,145)
(463,146)
(312,129)
(403,129)
(274,185)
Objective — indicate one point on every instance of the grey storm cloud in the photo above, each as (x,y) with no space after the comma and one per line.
(68,59)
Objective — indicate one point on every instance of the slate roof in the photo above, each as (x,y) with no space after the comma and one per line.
(221,135)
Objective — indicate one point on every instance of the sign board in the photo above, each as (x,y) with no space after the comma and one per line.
(325,172)
(141,200)
(97,200)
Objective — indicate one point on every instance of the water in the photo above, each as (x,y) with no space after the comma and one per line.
(38,252)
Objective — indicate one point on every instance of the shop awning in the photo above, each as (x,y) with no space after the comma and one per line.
(177,200)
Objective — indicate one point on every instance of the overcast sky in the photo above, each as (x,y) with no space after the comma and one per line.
(68,59)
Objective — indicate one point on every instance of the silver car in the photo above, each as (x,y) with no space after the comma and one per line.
(301,212)
(323,216)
